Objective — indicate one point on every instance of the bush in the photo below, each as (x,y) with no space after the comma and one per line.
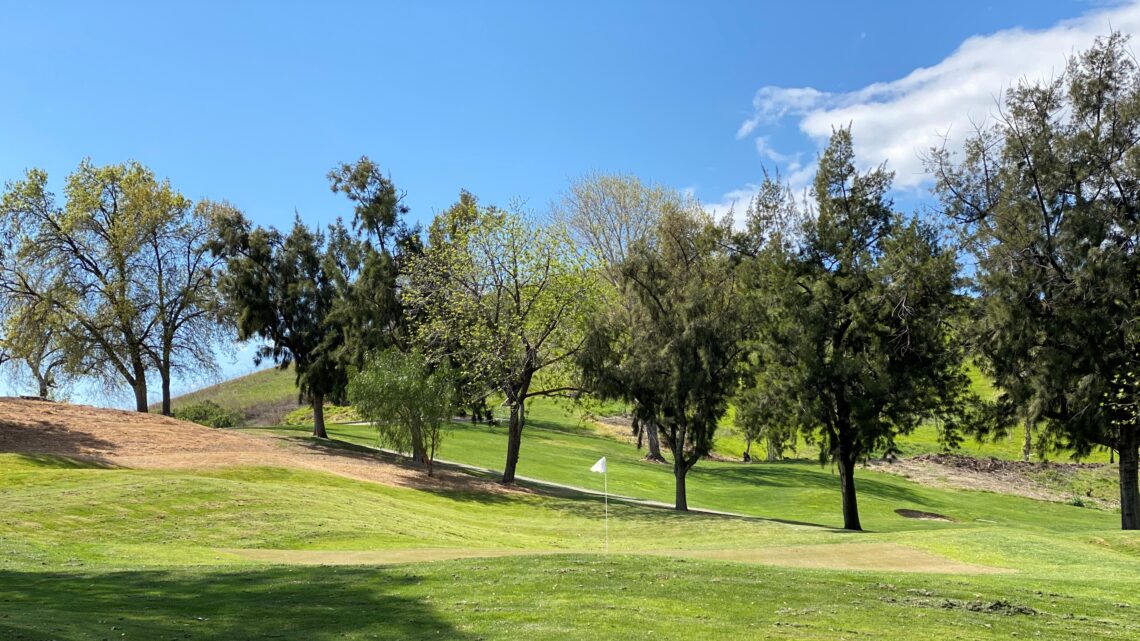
(208,413)
(409,402)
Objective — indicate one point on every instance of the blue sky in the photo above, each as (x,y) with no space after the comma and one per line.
(255,102)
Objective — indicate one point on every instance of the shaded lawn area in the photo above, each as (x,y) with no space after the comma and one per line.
(540,598)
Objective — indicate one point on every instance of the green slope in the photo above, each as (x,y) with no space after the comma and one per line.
(263,397)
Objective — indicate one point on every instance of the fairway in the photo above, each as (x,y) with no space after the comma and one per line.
(395,562)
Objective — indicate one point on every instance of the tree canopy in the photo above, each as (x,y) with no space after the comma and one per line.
(674,357)
(855,312)
(1047,200)
(504,300)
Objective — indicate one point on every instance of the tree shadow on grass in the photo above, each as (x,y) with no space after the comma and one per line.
(778,475)
(36,435)
(311,603)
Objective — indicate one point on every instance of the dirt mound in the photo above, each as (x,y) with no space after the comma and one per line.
(44,427)
(137,440)
(991,465)
(989,474)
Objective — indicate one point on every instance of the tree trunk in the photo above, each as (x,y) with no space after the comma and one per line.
(166,391)
(653,441)
(42,381)
(1027,445)
(1129,449)
(419,453)
(677,447)
(318,402)
(679,471)
(138,380)
(139,387)
(514,442)
(773,453)
(847,487)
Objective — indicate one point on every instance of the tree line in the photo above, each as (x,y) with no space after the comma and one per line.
(828,315)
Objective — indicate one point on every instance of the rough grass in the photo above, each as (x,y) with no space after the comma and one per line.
(562,452)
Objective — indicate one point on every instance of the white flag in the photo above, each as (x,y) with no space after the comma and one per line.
(600,466)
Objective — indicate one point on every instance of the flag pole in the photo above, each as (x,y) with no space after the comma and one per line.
(606,485)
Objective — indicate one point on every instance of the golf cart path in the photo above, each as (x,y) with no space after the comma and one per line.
(551,487)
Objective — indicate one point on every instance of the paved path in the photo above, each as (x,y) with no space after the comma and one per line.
(562,488)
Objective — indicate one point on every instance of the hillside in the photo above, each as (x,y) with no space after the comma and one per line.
(263,397)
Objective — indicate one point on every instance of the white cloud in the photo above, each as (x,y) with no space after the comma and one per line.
(899,120)
(773,103)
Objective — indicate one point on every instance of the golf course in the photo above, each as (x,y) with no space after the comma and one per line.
(192,538)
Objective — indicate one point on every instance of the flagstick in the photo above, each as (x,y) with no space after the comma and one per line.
(606,485)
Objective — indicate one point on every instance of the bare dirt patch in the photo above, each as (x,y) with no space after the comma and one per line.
(151,441)
(986,474)
(888,557)
(919,514)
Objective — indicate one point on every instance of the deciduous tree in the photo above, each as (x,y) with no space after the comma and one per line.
(82,263)
(407,400)
(504,299)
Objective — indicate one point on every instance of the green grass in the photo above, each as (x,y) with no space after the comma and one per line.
(550,598)
(97,552)
(559,449)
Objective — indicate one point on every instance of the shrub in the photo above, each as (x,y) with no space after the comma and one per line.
(408,401)
(210,414)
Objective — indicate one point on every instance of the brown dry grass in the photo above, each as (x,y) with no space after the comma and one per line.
(151,441)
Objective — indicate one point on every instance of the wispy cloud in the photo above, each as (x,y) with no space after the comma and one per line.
(899,120)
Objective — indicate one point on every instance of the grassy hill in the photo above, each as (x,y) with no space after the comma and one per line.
(97,552)
(263,397)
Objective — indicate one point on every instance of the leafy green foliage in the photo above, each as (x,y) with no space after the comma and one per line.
(673,348)
(208,413)
(855,318)
(1046,200)
(504,301)
(113,283)
(406,400)
(319,301)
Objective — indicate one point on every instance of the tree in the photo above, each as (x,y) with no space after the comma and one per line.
(757,417)
(190,321)
(606,215)
(856,329)
(319,302)
(32,342)
(407,401)
(1047,200)
(83,262)
(281,290)
(504,300)
(675,362)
